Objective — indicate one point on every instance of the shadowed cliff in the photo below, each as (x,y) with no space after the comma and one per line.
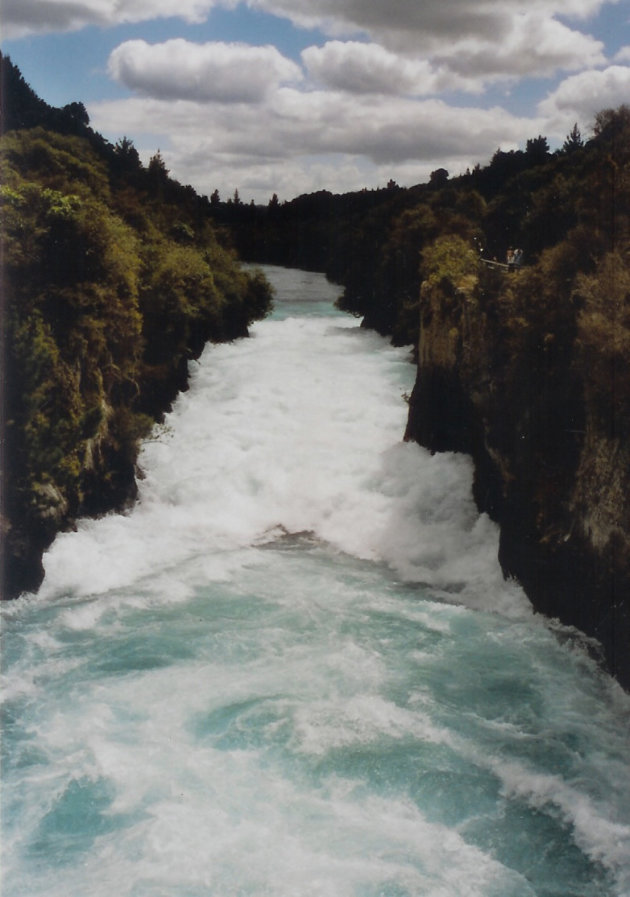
(529,373)
(113,279)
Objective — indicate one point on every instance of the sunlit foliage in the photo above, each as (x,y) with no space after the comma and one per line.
(112,281)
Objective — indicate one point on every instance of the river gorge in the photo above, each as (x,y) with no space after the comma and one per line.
(295,666)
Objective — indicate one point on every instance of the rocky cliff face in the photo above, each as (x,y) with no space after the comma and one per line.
(510,376)
(113,280)
(105,481)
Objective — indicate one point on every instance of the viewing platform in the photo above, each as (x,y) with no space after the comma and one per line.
(493,263)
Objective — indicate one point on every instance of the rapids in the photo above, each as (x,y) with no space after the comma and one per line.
(294,669)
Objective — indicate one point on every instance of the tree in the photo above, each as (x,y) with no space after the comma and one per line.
(77,112)
(215,199)
(573,141)
(127,154)
(157,167)
(449,258)
(439,177)
(537,149)
(610,123)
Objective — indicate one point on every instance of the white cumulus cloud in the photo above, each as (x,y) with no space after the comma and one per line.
(580,97)
(313,135)
(179,69)
(432,25)
(24,17)
(532,45)
(442,44)
(369,68)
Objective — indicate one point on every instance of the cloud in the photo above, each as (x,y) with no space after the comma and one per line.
(260,179)
(427,21)
(441,44)
(478,29)
(532,46)
(369,68)
(23,17)
(580,97)
(238,101)
(178,69)
(306,124)
(313,135)
(395,18)
(430,26)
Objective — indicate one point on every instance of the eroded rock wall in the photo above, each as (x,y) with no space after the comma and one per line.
(514,389)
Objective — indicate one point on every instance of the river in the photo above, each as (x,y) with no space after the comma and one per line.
(294,669)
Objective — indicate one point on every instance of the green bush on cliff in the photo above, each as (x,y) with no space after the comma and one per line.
(72,327)
(450,262)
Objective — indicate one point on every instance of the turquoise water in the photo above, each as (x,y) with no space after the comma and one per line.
(295,669)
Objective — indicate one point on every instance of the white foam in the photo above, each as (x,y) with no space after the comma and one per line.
(298,427)
(602,839)
(362,720)
(327,843)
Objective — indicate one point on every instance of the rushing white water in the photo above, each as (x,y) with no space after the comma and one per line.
(294,668)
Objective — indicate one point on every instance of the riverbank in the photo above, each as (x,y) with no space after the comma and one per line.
(552,462)
(113,280)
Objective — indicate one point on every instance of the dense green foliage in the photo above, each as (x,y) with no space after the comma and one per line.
(112,279)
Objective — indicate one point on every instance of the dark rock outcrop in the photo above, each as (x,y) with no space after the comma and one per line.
(519,393)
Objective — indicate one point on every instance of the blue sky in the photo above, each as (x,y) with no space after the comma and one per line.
(290,96)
